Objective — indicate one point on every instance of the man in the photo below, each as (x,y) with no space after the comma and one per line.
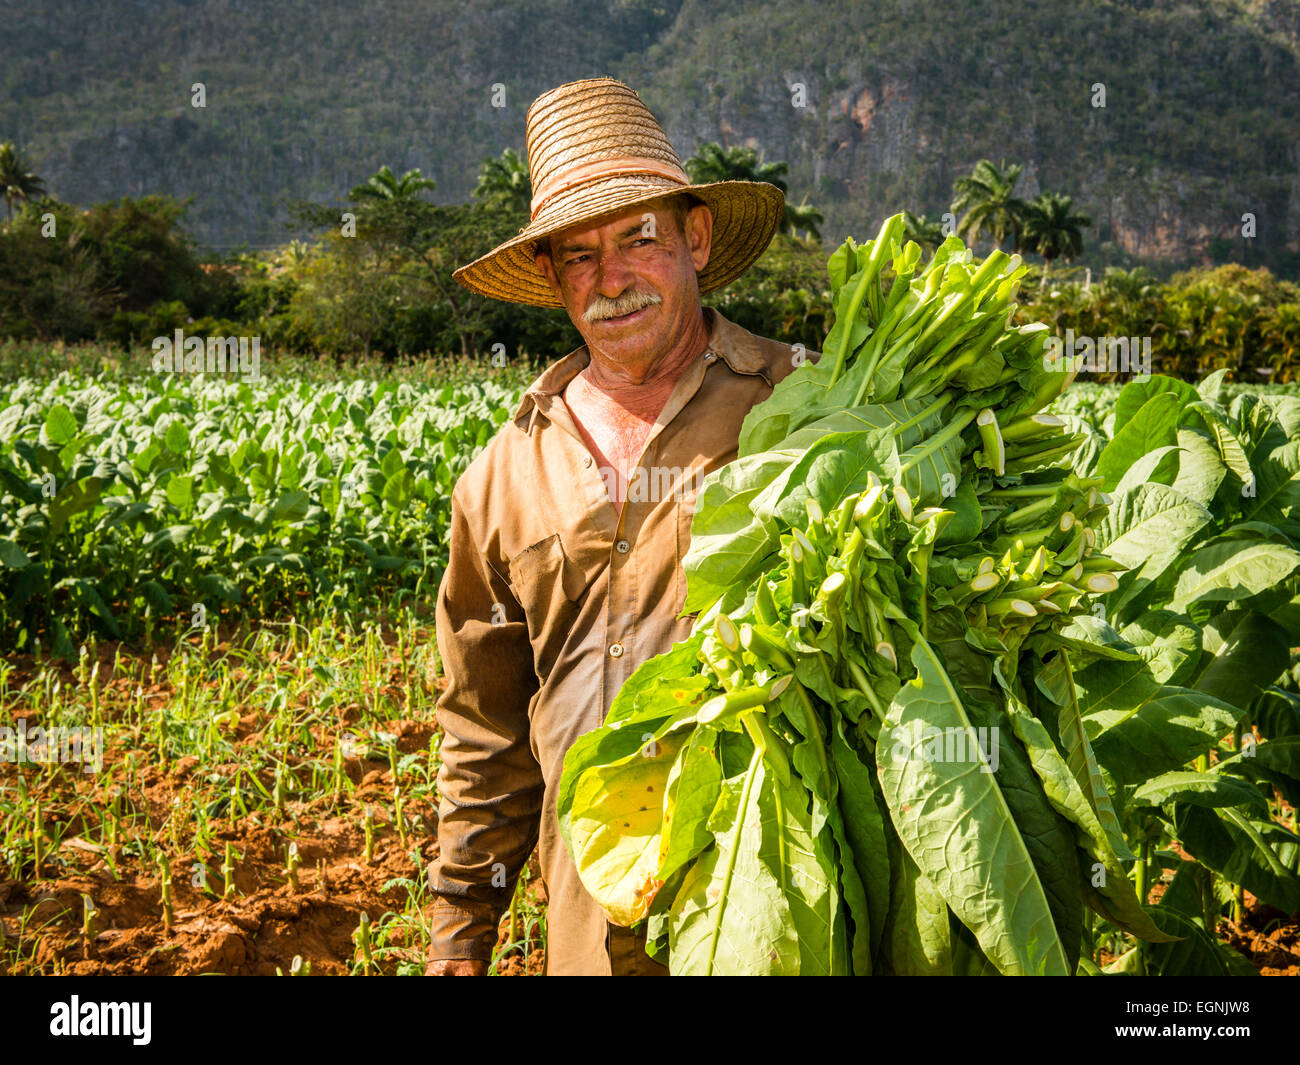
(568,531)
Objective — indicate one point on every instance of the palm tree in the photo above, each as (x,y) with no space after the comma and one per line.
(929,235)
(712,162)
(1052,228)
(293,257)
(504,180)
(985,194)
(386,186)
(16,181)
(802,216)
(1136,294)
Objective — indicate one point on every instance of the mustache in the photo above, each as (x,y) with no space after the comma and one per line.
(603,307)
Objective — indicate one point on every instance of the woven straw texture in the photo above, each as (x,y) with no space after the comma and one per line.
(576,126)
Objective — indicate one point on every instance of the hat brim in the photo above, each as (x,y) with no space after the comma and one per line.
(746,215)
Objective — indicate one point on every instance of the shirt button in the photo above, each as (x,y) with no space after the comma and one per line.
(622,547)
(587,461)
(615,650)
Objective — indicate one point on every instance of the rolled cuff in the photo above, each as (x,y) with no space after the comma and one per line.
(461,931)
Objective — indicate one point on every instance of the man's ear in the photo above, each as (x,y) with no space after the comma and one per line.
(699,235)
(542,257)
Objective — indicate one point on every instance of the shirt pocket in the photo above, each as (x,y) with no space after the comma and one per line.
(549,587)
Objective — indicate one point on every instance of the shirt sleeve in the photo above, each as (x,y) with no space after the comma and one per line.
(490,785)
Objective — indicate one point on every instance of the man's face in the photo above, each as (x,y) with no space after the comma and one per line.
(629,284)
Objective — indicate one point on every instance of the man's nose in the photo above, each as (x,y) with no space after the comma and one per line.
(612,275)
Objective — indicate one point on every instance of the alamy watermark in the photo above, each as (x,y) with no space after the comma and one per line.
(654,484)
(55,744)
(954,744)
(181,354)
(77,1018)
(1106,354)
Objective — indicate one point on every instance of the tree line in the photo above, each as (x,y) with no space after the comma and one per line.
(376,277)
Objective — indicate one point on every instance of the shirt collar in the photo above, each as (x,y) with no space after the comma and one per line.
(735,346)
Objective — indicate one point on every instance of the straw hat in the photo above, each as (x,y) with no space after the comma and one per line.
(594,149)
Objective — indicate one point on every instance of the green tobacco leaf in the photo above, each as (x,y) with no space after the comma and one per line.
(223,589)
(89,597)
(1193,953)
(1245,652)
(967,958)
(180,492)
(1073,742)
(1158,466)
(156,596)
(1048,834)
(865,418)
(1169,643)
(731,917)
(1083,461)
(804,864)
(10,418)
(918,934)
(1272,764)
(1154,425)
(172,536)
(809,757)
(13,556)
(399,488)
(1198,789)
(967,518)
(1276,711)
(1135,395)
(291,506)
(1228,445)
(1148,530)
(955,822)
(833,468)
(60,425)
(864,828)
(727,539)
(177,438)
(791,401)
(1231,570)
(1139,727)
(1260,856)
(1210,387)
(1183,893)
(75,498)
(1280,755)
(666,686)
(1086,636)
(1201,471)
(1274,494)
(1067,797)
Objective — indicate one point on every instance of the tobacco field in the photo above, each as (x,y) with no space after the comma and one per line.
(235,580)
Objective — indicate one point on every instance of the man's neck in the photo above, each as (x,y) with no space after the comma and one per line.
(627,385)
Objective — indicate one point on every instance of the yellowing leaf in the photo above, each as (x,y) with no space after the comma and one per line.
(614,828)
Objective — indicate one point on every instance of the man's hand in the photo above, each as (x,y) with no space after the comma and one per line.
(456,967)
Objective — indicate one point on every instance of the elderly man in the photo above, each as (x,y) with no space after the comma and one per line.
(568,531)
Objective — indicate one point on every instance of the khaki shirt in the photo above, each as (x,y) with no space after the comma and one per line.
(548,604)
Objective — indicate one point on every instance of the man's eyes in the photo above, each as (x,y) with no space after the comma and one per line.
(573,260)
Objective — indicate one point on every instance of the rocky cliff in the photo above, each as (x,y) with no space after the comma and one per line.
(1167,120)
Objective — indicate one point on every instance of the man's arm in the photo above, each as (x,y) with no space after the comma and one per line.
(490,784)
